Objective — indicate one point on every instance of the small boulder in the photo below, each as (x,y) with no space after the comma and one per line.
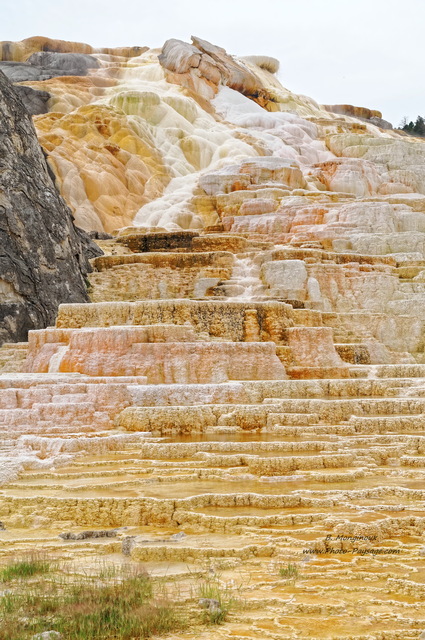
(209,603)
(128,544)
(83,535)
(47,635)
(100,235)
(176,537)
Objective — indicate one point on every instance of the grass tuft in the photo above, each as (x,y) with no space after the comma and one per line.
(25,568)
(290,571)
(211,588)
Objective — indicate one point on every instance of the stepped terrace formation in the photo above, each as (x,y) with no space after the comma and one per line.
(250,371)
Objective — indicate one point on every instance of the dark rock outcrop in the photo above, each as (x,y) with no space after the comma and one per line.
(100,235)
(35,101)
(44,65)
(75,64)
(22,72)
(43,256)
(83,535)
(380,122)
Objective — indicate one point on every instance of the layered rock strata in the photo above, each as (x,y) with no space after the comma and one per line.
(44,258)
(246,390)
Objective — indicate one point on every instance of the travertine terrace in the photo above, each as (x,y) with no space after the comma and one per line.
(251,368)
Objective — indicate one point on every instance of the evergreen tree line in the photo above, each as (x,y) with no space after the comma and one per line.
(414,128)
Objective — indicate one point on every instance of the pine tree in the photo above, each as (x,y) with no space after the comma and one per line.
(414,128)
(419,128)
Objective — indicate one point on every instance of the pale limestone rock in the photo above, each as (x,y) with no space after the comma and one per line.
(180,57)
(270,169)
(214,184)
(202,285)
(140,351)
(285,278)
(257,207)
(212,63)
(259,426)
(314,293)
(313,346)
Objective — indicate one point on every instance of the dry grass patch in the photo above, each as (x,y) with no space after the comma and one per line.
(126,608)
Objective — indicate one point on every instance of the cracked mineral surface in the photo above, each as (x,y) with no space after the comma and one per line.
(250,371)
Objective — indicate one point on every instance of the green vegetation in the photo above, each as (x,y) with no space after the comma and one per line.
(111,603)
(222,600)
(414,128)
(124,609)
(290,571)
(25,568)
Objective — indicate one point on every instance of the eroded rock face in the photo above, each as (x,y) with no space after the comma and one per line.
(20,51)
(43,256)
(150,137)
(35,101)
(355,112)
(369,115)
(251,367)
(201,60)
(44,65)
(106,167)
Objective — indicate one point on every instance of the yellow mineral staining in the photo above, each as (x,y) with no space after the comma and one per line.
(70,92)
(190,109)
(107,166)
(132,277)
(246,391)
(21,51)
(355,112)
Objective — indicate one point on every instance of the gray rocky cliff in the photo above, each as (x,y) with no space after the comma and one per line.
(43,256)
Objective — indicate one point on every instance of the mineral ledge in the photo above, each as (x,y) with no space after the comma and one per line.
(250,370)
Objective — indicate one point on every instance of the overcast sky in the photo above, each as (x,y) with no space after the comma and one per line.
(365,52)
